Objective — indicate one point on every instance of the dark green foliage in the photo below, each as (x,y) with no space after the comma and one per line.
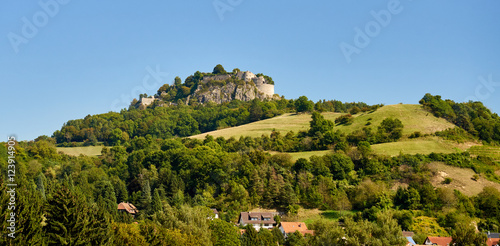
(303,104)
(174,181)
(266,237)
(354,110)
(447,180)
(28,215)
(219,69)
(319,124)
(416,134)
(295,239)
(156,204)
(465,235)
(277,234)
(250,237)
(390,130)
(339,164)
(70,220)
(473,117)
(344,119)
(456,134)
(407,198)
(224,233)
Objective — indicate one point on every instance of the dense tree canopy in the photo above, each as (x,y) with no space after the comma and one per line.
(72,200)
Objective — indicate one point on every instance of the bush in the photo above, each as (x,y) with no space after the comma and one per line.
(447,180)
(416,134)
(219,69)
(390,130)
(354,110)
(346,119)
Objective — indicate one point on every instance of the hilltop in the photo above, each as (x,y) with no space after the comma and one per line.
(217,87)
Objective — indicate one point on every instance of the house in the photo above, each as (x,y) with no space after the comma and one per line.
(216,213)
(493,241)
(128,207)
(493,235)
(440,241)
(257,220)
(290,227)
(409,236)
(410,241)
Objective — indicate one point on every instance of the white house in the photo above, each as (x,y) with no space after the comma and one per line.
(257,220)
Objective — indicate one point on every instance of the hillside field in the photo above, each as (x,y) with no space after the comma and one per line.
(413,117)
(76,151)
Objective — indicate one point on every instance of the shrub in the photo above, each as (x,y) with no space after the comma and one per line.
(344,119)
(355,110)
(416,134)
(447,180)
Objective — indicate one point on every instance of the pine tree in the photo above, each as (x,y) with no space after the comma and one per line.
(250,238)
(146,195)
(156,203)
(67,218)
(99,232)
(28,216)
(40,185)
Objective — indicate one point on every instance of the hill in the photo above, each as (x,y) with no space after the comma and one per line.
(413,117)
(218,87)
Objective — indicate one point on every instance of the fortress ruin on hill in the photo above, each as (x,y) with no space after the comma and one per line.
(260,82)
(253,87)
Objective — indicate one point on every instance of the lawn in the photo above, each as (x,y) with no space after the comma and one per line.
(310,215)
(424,146)
(76,151)
(305,155)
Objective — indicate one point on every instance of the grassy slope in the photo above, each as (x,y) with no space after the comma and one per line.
(283,123)
(424,146)
(489,151)
(462,179)
(76,151)
(414,118)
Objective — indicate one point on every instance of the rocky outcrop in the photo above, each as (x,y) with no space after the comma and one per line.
(246,88)
(228,92)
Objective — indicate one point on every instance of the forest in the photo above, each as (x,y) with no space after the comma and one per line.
(174,181)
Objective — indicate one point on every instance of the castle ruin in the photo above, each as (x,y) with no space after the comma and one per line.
(260,82)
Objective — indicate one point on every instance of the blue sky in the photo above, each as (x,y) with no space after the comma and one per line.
(65,59)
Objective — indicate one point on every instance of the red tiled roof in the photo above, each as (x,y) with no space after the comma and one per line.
(128,207)
(307,232)
(441,241)
(291,227)
(492,241)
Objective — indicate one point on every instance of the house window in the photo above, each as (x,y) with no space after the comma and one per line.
(267,219)
(266,224)
(253,218)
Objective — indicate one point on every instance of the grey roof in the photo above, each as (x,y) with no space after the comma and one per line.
(245,218)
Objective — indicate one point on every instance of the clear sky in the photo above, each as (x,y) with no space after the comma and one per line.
(65,59)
